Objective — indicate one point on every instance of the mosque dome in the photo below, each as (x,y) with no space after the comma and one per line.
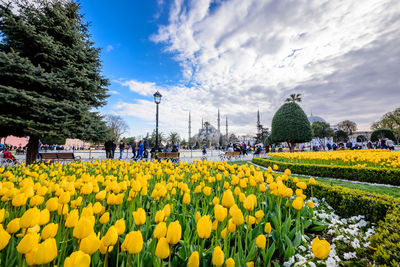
(313,118)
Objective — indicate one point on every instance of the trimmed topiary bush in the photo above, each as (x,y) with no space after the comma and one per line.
(290,124)
(382,133)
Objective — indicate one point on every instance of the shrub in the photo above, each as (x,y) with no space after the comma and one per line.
(290,124)
(366,174)
(382,133)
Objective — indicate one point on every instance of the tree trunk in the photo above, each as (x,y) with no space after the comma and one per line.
(32,150)
(291,146)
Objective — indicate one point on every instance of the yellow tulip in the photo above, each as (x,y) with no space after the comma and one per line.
(140,216)
(77,259)
(49,231)
(204,226)
(97,208)
(261,241)
(2,213)
(250,264)
(30,218)
(47,251)
(83,228)
(220,212)
(320,248)
(267,228)
(104,218)
(250,220)
(237,217)
(223,233)
(231,226)
(90,244)
(298,203)
(228,199)
(218,256)
(160,230)
(44,217)
(310,204)
(19,200)
(13,226)
(103,248)
(162,248)
(28,242)
(30,257)
(194,260)
(100,196)
(160,216)
(4,238)
(230,262)
(312,181)
(64,198)
(301,185)
(167,210)
(72,219)
(133,242)
(197,216)
(120,225)
(111,237)
(186,198)
(174,232)
(52,204)
(259,216)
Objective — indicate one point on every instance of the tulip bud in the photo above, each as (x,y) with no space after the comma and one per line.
(120,225)
(52,204)
(140,216)
(261,241)
(44,217)
(218,256)
(194,260)
(186,198)
(133,242)
(227,199)
(160,230)
(162,248)
(220,212)
(267,228)
(83,228)
(72,219)
(204,226)
(174,232)
(230,262)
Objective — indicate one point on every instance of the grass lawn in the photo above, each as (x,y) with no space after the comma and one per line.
(378,189)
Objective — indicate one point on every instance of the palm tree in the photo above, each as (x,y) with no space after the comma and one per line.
(173,138)
(293,98)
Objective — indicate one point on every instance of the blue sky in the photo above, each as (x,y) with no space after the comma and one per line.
(241,56)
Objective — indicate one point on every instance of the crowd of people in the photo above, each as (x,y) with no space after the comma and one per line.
(383,143)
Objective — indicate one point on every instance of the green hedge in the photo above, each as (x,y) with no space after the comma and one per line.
(367,174)
(381,209)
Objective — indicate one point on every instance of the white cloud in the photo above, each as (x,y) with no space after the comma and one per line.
(109,48)
(113,92)
(243,55)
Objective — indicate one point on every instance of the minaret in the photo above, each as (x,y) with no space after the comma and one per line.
(227,128)
(219,123)
(258,121)
(190,129)
(202,123)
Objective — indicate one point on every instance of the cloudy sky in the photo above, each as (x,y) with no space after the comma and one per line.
(343,56)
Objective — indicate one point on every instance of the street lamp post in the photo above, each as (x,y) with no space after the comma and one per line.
(157,100)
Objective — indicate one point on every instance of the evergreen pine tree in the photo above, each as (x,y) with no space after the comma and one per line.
(50,74)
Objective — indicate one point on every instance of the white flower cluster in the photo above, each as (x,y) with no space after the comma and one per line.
(351,232)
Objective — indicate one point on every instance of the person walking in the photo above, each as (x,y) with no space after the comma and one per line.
(114,146)
(121,149)
(140,152)
(108,148)
(134,150)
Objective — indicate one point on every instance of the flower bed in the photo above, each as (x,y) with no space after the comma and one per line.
(380,209)
(366,174)
(148,214)
(377,158)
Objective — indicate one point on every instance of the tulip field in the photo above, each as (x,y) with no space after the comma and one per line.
(116,213)
(381,158)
